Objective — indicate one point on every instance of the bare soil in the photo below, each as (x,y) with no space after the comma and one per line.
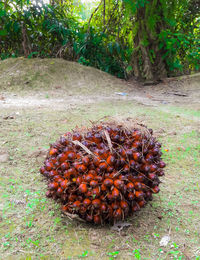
(42,99)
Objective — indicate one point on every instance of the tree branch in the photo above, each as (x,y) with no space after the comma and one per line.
(93,15)
(110,17)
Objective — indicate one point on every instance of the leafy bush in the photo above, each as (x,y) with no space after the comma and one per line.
(107,42)
(49,31)
(182,51)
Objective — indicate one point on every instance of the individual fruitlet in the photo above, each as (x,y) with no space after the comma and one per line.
(106,173)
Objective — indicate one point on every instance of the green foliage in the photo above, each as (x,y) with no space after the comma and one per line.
(182,50)
(109,41)
(51,31)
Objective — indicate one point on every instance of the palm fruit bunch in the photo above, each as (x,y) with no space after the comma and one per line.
(106,173)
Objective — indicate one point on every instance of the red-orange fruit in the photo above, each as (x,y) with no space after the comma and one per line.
(132,163)
(131,196)
(82,210)
(86,202)
(48,166)
(82,168)
(108,182)
(93,172)
(82,188)
(72,197)
(96,161)
(65,166)
(153,168)
(122,152)
(71,156)
(136,144)
(122,161)
(59,180)
(93,183)
(63,184)
(42,170)
(97,219)
(118,183)
(64,208)
(136,135)
(135,208)
(96,203)
(139,195)
(136,156)
(138,185)
(152,176)
(86,160)
(56,178)
(97,138)
(110,168)
(117,214)
(162,164)
(96,192)
(103,166)
(149,157)
(109,196)
(129,153)
(103,187)
(72,172)
(103,207)
(89,177)
(115,193)
(145,168)
(130,186)
(115,205)
(59,191)
(142,203)
(98,178)
(110,160)
(79,180)
(155,151)
(76,136)
(160,173)
(53,151)
(53,186)
(124,205)
(62,157)
(155,189)
(126,168)
(52,173)
(76,204)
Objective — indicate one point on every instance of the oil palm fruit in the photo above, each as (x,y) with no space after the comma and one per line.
(104,174)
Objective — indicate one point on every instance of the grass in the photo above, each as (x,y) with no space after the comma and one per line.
(32,226)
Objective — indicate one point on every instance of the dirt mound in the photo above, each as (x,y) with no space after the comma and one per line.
(60,83)
(46,74)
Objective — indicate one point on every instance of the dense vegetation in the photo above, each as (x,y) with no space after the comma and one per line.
(145,38)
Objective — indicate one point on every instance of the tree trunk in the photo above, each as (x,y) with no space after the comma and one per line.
(147,57)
